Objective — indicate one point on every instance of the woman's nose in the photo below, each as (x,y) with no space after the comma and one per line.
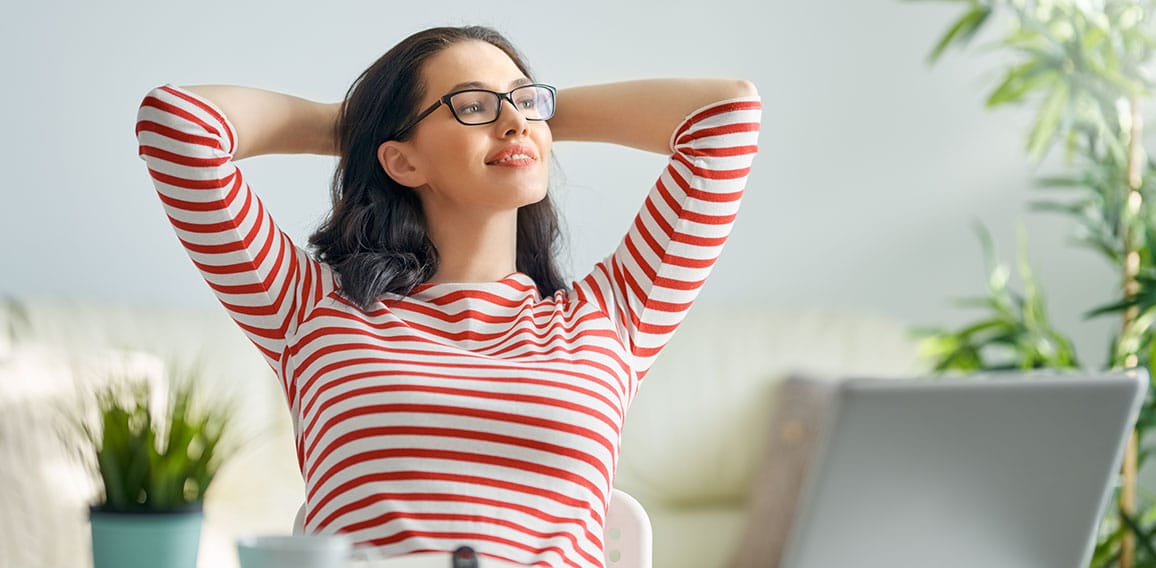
(511,120)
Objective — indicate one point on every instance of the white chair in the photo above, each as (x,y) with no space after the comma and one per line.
(627,538)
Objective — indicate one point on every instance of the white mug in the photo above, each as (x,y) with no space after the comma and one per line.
(298,551)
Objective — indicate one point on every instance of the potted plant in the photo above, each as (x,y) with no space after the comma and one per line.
(154,458)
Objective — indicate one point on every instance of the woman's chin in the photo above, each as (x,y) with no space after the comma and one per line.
(520,195)
(536,196)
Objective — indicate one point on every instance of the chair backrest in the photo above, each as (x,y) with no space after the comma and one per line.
(627,538)
(299,521)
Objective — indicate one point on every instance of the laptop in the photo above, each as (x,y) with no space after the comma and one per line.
(1001,470)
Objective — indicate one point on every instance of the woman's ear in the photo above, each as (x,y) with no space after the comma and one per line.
(397,162)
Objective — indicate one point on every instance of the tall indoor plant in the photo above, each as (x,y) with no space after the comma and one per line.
(1084,64)
(154,458)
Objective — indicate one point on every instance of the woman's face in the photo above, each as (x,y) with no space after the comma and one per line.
(490,167)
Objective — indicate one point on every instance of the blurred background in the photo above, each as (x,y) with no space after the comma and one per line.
(873,166)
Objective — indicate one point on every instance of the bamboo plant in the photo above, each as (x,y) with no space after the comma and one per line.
(1083,65)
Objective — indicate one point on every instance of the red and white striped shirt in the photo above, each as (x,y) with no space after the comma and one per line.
(480,413)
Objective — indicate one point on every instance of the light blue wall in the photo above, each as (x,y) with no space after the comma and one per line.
(872,165)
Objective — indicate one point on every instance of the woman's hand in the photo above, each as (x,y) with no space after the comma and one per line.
(641,114)
(267,122)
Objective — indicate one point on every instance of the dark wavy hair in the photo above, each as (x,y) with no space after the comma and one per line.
(376,237)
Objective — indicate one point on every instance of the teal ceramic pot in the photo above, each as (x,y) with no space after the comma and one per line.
(145,540)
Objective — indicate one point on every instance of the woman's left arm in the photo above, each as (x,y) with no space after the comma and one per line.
(640,114)
(709,128)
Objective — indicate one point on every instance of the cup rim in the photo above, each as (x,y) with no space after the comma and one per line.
(296,542)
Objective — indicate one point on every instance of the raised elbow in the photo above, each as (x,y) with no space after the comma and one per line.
(743,88)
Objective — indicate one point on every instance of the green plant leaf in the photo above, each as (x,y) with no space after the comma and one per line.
(1145,298)
(1019,81)
(1062,182)
(1047,121)
(1143,537)
(1111,308)
(963,31)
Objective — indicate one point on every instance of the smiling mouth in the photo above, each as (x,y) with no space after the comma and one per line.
(511,158)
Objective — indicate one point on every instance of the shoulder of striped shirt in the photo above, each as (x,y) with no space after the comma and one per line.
(752,103)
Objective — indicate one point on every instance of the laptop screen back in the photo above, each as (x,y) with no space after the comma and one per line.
(1001,471)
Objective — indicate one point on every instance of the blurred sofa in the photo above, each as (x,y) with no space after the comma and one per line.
(695,441)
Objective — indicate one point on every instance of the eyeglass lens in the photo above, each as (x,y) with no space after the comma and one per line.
(479,107)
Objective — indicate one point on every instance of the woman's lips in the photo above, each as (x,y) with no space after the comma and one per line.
(513,156)
(514,161)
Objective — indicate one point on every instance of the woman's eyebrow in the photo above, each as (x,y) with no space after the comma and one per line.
(481,85)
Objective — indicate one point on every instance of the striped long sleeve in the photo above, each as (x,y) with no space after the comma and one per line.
(263,280)
(650,281)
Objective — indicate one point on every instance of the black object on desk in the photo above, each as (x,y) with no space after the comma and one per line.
(464,557)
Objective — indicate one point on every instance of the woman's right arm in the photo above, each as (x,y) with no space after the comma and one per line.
(274,123)
(190,139)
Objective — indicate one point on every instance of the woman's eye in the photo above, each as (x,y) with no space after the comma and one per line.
(469,106)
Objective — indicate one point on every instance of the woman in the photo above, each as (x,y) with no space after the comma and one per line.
(446,386)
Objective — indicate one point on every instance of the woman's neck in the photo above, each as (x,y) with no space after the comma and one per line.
(473,247)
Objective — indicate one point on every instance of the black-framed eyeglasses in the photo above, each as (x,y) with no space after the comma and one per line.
(473,107)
